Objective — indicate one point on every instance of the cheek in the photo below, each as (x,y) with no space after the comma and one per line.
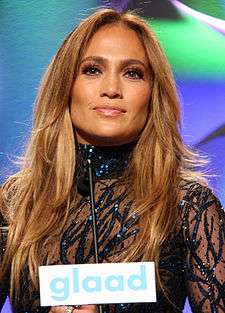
(141,103)
(83,92)
(76,98)
(76,105)
(142,117)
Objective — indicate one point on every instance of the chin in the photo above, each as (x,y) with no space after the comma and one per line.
(111,140)
(105,138)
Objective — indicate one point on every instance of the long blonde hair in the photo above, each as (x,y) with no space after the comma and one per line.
(37,198)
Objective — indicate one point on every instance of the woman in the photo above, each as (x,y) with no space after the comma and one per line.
(109,95)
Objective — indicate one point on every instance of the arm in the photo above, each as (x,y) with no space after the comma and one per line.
(204,236)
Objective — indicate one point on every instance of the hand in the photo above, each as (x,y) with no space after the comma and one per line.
(83,309)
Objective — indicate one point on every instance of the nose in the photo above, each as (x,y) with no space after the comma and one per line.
(111,87)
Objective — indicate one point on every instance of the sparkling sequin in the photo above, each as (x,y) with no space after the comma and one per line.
(191,260)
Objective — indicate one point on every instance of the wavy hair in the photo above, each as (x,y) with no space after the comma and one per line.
(37,199)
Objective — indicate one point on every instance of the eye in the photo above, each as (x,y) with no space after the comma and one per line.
(134,73)
(91,70)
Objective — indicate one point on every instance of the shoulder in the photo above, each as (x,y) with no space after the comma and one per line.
(199,196)
(201,212)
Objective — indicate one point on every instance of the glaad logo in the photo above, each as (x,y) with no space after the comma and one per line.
(62,287)
(97,283)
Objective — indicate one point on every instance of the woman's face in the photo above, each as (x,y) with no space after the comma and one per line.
(111,93)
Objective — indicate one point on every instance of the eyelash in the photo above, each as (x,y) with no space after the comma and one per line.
(93,70)
(88,68)
(138,72)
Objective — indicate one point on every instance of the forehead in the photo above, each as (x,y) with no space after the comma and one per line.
(116,41)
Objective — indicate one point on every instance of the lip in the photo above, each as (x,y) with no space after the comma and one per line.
(109,111)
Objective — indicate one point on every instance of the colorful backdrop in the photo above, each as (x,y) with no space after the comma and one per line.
(191,32)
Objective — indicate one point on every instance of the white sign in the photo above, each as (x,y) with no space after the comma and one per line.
(97,283)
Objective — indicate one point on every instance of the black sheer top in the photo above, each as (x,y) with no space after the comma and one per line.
(192,260)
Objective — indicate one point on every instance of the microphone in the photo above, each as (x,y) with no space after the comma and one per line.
(85,186)
(93,213)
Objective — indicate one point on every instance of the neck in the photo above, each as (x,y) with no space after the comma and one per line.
(107,162)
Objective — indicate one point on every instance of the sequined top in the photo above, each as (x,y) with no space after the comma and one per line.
(192,260)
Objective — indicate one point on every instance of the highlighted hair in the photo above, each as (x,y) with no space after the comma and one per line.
(37,199)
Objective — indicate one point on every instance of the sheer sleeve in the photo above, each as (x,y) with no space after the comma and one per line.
(204,235)
(4,282)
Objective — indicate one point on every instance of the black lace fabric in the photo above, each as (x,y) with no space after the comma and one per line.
(192,259)
(204,231)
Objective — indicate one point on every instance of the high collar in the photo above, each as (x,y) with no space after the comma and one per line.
(107,162)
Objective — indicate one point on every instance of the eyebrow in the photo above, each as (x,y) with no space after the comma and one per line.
(123,63)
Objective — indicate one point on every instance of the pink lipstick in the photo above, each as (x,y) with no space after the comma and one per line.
(107,111)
